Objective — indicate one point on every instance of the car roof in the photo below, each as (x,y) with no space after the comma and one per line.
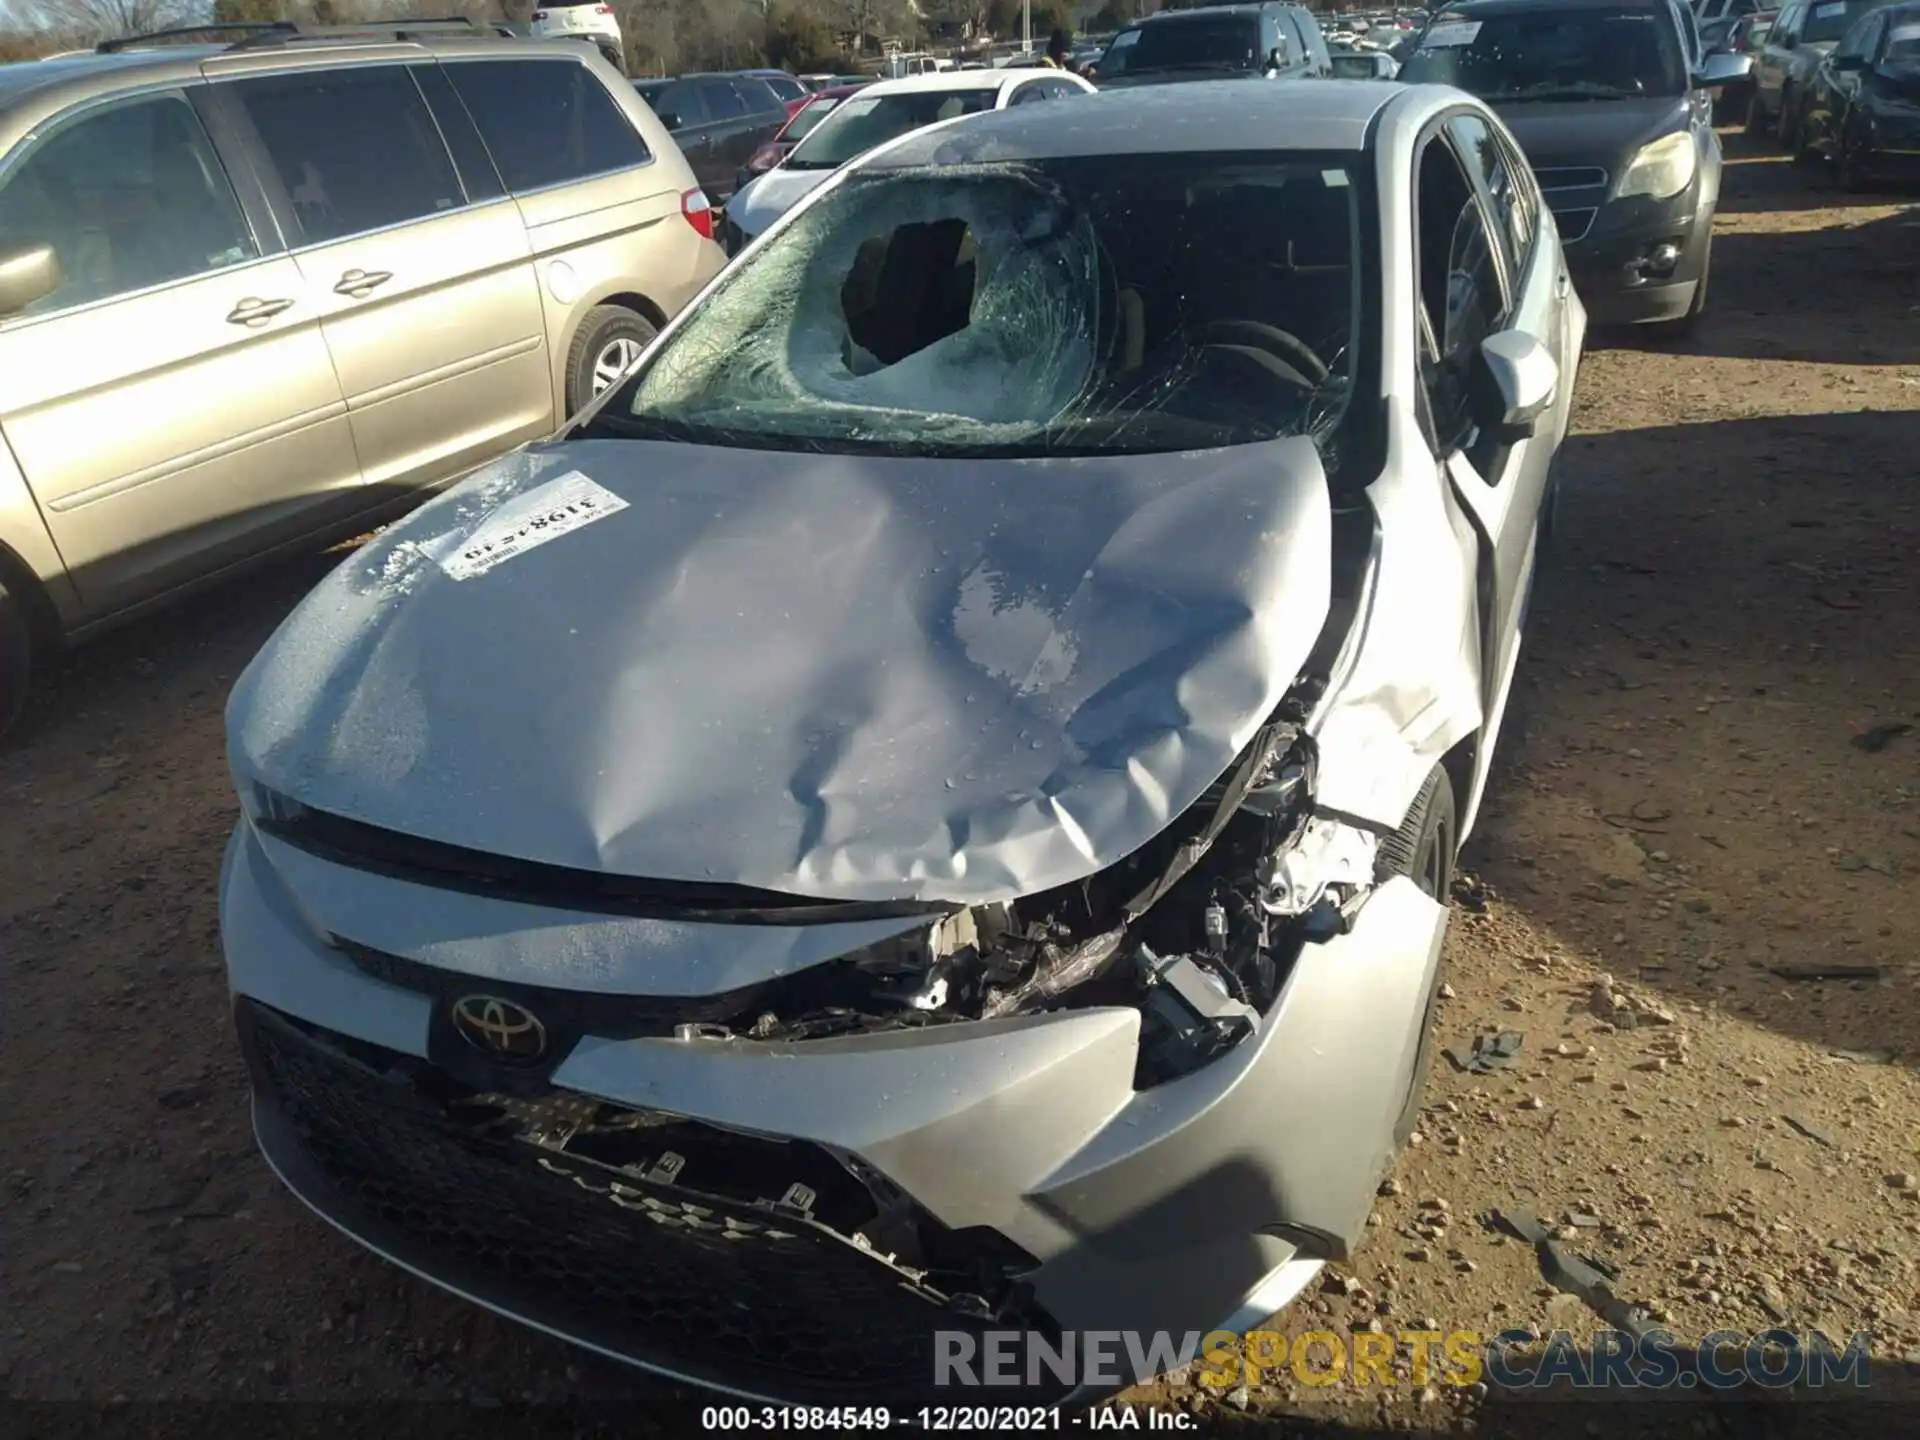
(25,77)
(944,80)
(1516,7)
(1167,119)
(1165,16)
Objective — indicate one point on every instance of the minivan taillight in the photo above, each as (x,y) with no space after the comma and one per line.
(538,15)
(698,210)
(603,9)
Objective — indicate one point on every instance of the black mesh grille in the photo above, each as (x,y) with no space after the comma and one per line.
(756,1295)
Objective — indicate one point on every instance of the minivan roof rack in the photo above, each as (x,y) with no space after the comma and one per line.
(266,34)
(406,28)
(180,32)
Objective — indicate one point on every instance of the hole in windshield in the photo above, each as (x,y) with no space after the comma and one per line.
(1144,303)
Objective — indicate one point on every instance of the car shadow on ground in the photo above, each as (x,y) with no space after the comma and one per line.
(1700,760)
(131,679)
(1767,301)
(1767,179)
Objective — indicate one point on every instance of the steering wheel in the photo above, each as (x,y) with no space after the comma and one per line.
(1297,354)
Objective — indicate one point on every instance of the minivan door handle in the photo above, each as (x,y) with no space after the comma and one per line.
(254,311)
(359,283)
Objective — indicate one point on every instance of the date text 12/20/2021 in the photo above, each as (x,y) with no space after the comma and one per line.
(976,1419)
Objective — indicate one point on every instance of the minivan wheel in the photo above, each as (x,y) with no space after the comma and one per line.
(16,660)
(609,340)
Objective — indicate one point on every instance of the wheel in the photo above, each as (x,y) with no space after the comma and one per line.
(1756,123)
(609,340)
(16,660)
(1848,170)
(1422,848)
(1686,323)
(1786,122)
(1800,141)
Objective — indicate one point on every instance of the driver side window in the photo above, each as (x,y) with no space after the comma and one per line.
(1461,300)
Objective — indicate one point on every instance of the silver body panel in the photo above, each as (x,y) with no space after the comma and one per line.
(841,749)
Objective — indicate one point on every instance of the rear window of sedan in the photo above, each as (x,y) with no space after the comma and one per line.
(1088,305)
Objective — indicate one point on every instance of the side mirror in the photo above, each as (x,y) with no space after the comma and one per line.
(1724,69)
(26,276)
(1515,382)
(670,120)
(1847,62)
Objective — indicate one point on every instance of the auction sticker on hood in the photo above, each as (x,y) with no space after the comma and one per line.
(543,513)
(1449,33)
(1827,12)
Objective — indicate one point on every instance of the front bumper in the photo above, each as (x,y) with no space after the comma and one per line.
(1615,265)
(1016,1150)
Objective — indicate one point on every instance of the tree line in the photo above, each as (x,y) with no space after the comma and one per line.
(662,36)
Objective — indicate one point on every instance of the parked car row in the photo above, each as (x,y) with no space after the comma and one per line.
(1610,101)
(1839,81)
(244,305)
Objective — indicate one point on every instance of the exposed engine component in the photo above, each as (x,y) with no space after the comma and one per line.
(1190,1017)
(1197,929)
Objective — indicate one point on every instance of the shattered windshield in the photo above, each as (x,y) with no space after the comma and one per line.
(864,121)
(1552,54)
(1087,305)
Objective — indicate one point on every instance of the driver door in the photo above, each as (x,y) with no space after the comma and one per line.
(1481,272)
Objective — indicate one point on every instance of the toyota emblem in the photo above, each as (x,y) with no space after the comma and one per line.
(499,1028)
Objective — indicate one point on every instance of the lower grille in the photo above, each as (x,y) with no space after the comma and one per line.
(755,1295)
(1570,177)
(1574,224)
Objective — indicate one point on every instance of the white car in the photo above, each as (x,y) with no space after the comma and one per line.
(879,113)
(589,20)
(928,812)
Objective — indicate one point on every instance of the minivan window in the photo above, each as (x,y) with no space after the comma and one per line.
(1213,42)
(356,148)
(678,103)
(546,121)
(129,196)
(1603,52)
(758,96)
(723,101)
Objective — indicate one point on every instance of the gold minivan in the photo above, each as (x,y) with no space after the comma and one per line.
(255,293)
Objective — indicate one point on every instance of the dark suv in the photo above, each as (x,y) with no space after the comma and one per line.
(1610,99)
(1801,38)
(718,121)
(1280,42)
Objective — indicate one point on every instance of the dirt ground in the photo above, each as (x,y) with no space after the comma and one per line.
(1699,795)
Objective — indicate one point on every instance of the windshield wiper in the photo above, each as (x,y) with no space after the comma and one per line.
(1232,65)
(1551,93)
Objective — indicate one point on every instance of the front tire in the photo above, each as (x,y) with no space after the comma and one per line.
(609,340)
(1848,171)
(1423,849)
(16,660)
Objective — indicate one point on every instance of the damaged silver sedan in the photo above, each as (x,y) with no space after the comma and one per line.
(930,809)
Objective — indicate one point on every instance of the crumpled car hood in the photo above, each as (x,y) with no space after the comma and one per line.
(832,676)
(765,198)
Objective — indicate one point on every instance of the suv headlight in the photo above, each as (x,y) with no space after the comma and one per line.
(1661,170)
